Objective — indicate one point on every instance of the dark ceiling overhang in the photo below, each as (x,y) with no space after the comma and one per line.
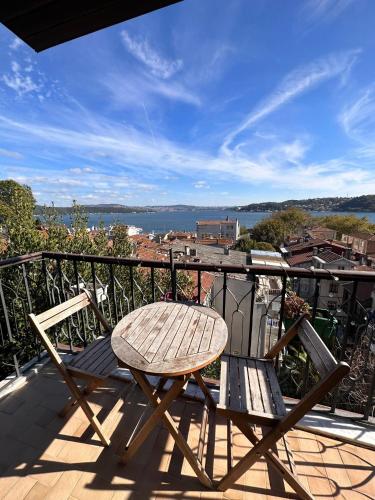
(46,23)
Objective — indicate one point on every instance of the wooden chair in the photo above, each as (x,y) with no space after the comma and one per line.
(250,395)
(94,364)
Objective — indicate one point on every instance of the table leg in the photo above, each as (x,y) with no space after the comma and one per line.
(161,412)
(156,415)
(204,388)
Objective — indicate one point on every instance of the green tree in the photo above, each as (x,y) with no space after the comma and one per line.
(246,245)
(244,231)
(278,226)
(294,218)
(270,230)
(17,205)
(346,224)
(263,245)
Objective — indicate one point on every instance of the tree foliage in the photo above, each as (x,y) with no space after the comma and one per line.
(275,228)
(346,224)
(246,245)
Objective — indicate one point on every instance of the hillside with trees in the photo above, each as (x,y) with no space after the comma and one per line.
(365,203)
(293,221)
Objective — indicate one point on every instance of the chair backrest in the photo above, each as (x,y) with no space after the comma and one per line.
(330,371)
(45,320)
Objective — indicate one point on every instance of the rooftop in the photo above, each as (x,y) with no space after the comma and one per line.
(296,260)
(328,256)
(53,458)
(314,242)
(211,254)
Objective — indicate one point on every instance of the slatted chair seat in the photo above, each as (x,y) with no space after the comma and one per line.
(97,360)
(250,386)
(250,396)
(94,364)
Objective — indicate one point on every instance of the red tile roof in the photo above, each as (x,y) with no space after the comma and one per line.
(299,259)
(314,242)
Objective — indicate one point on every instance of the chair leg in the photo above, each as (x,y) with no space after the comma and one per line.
(73,402)
(81,401)
(248,460)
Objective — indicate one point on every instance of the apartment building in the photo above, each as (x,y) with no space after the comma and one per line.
(363,243)
(227,228)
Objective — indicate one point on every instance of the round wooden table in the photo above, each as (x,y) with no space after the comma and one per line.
(171,340)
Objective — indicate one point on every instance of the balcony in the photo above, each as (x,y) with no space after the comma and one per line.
(44,456)
(48,457)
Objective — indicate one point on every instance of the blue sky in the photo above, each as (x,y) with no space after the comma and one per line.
(205,102)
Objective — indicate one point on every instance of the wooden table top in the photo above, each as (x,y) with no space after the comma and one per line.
(169,338)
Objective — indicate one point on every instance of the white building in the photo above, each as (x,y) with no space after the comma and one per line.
(227,228)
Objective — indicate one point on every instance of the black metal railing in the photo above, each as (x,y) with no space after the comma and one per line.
(254,312)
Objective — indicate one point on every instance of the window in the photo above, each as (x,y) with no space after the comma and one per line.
(342,268)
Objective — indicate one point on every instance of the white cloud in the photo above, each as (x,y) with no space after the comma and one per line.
(81,170)
(21,85)
(294,84)
(158,65)
(201,185)
(315,11)
(20,82)
(16,43)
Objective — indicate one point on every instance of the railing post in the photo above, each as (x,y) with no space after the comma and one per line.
(93,277)
(224,293)
(281,316)
(113,289)
(199,286)
(313,316)
(345,339)
(27,288)
(132,287)
(46,282)
(282,306)
(153,284)
(173,275)
(81,317)
(9,329)
(251,319)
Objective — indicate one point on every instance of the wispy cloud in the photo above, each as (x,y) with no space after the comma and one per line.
(131,157)
(10,154)
(135,90)
(358,118)
(325,10)
(158,65)
(294,84)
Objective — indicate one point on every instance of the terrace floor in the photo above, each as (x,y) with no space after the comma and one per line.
(45,457)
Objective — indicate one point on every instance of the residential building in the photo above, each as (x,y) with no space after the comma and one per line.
(361,242)
(227,228)
(304,246)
